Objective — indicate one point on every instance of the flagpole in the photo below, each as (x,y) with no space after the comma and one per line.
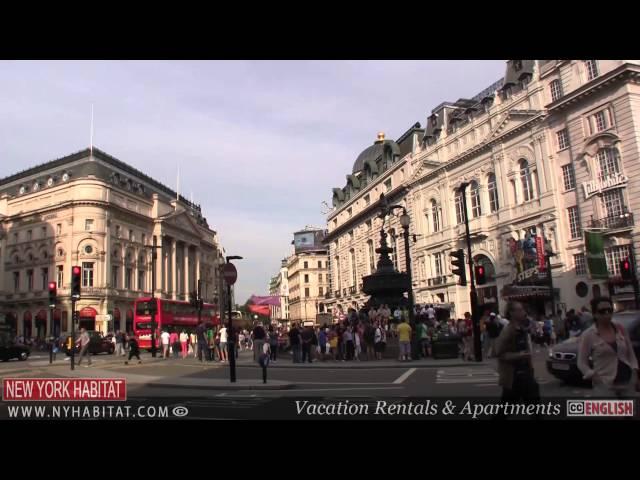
(91,134)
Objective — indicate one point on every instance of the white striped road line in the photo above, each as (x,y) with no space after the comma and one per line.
(342,383)
(404,376)
(337,389)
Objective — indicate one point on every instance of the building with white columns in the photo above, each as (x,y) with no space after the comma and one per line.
(92,210)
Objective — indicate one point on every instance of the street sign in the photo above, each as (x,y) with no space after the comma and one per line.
(229,273)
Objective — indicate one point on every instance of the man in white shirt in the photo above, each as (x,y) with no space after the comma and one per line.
(165,344)
(431,314)
(223,344)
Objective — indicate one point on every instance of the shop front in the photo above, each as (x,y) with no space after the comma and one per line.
(87,318)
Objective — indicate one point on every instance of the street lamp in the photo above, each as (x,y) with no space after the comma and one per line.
(405,221)
(153,306)
(548,253)
(231,343)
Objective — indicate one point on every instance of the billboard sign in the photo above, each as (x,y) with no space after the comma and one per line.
(308,241)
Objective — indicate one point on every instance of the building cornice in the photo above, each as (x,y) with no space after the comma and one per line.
(477,150)
(623,72)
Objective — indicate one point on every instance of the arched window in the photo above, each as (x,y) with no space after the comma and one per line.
(476,209)
(435,216)
(492,186)
(608,162)
(527,182)
(459,207)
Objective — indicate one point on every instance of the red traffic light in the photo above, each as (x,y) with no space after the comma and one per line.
(626,265)
(52,286)
(76,270)
(480,270)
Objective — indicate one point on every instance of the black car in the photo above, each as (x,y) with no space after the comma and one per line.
(10,350)
(97,344)
(562,361)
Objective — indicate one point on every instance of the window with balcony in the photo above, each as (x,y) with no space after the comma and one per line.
(45,279)
(435,216)
(29,280)
(526,180)
(613,203)
(574,222)
(476,209)
(556,90)
(60,275)
(568,177)
(87,274)
(492,188)
(394,245)
(459,207)
(563,139)
(608,162)
(437,260)
(16,282)
(127,279)
(580,262)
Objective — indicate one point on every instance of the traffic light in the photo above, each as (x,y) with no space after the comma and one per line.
(626,270)
(53,293)
(480,274)
(76,273)
(458,267)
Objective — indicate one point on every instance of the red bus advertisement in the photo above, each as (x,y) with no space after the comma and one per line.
(170,315)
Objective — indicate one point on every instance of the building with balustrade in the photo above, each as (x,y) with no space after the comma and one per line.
(548,150)
(93,210)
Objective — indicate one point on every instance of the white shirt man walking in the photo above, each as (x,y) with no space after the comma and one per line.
(83,342)
(165,344)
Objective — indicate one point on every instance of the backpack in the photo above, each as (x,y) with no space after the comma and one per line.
(263,360)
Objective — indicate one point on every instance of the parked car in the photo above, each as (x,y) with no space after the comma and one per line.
(97,344)
(562,361)
(10,350)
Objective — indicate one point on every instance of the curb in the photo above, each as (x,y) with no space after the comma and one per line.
(365,366)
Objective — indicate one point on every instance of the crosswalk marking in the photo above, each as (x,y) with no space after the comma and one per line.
(464,375)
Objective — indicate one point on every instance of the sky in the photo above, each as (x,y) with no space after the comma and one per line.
(259,144)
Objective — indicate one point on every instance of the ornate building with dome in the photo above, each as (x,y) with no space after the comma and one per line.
(550,155)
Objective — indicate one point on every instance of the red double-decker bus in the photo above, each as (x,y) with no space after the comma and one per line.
(170,314)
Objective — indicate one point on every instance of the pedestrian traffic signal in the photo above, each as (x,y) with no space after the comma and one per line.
(458,267)
(53,293)
(480,275)
(625,269)
(76,273)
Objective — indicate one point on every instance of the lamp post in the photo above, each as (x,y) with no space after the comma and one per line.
(231,343)
(405,221)
(153,306)
(548,253)
(475,314)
